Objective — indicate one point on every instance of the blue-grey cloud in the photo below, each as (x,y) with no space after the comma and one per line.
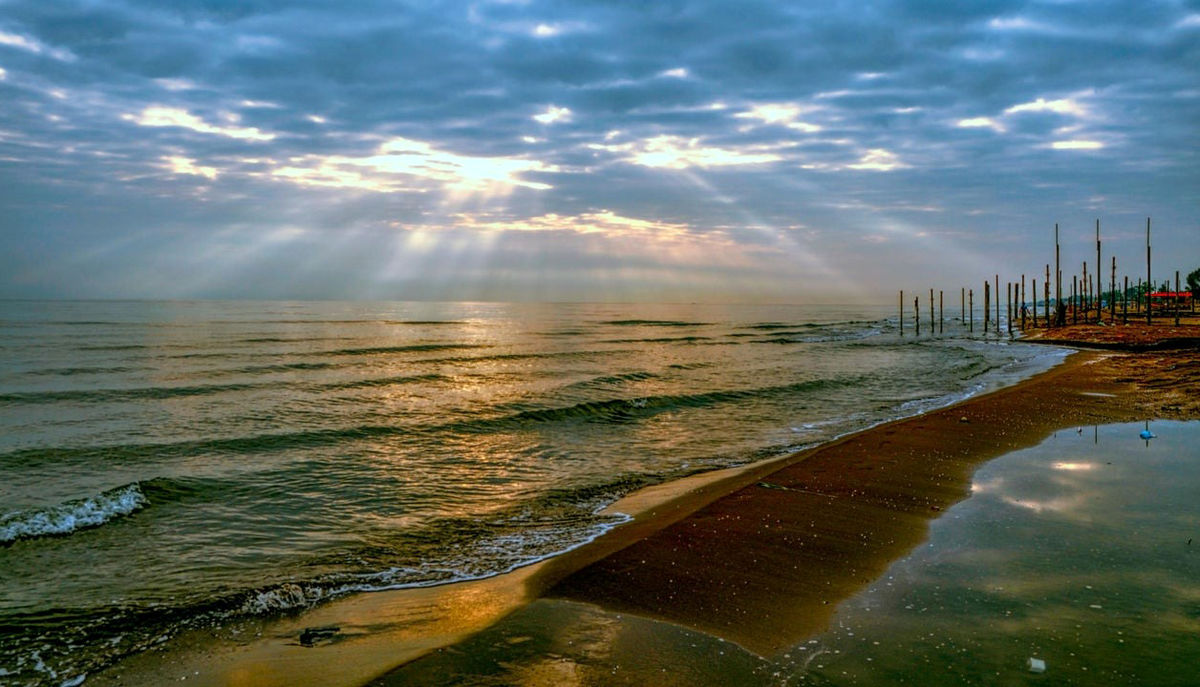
(445,149)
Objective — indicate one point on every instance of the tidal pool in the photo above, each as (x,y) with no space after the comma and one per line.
(1083,551)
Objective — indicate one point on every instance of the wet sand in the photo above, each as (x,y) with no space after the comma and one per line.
(759,557)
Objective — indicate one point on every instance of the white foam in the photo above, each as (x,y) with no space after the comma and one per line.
(71,516)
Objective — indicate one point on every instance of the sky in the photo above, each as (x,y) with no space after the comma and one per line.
(527,150)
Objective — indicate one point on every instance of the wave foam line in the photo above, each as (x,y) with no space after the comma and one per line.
(71,516)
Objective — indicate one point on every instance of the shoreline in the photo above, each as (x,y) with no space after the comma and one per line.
(381,632)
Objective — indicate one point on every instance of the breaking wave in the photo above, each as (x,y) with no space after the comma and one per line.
(71,516)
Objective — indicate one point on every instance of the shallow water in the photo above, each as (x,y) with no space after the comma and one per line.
(1083,552)
(1075,552)
(166,465)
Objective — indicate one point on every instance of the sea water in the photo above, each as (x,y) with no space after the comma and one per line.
(166,465)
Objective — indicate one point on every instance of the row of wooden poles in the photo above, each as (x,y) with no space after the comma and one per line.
(1087,296)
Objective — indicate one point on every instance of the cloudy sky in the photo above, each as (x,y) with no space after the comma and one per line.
(536,150)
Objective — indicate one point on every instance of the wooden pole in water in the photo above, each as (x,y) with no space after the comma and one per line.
(1033,287)
(901,312)
(1008,308)
(971,322)
(962,296)
(941,312)
(1022,302)
(987,305)
(917,313)
(932,329)
(1099,279)
(997,292)
(1149,283)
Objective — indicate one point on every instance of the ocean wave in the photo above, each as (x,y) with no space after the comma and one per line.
(654,323)
(71,516)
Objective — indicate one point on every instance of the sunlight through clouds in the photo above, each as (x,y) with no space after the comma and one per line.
(1065,106)
(182,165)
(981,123)
(678,152)
(554,114)
(159,116)
(781,113)
(400,162)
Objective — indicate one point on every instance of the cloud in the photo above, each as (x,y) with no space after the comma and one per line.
(1076,144)
(553,115)
(781,113)
(160,116)
(677,152)
(28,44)
(981,122)
(1066,106)
(878,160)
(183,165)
(402,164)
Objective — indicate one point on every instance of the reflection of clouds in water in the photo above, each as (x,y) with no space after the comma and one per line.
(1075,554)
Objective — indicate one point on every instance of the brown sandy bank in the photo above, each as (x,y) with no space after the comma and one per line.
(757,556)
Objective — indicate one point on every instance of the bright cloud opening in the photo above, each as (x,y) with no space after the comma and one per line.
(677,152)
(33,45)
(400,162)
(1065,106)
(981,123)
(780,113)
(879,160)
(1077,145)
(677,73)
(183,165)
(175,117)
(554,114)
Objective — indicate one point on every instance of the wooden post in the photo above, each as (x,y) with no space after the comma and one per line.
(1125,302)
(1008,309)
(1084,284)
(1112,292)
(917,313)
(1022,302)
(1074,298)
(1047,299)
(1176,298)
(987,305)
(901,312)
(997,292)
(1099,279)
(963,304)
(932,329)
(1057,276)
(1046,305)
(941,312)
(1149,283)
(971,298)
(1033,287)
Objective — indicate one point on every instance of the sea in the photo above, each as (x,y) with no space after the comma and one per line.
(175,465)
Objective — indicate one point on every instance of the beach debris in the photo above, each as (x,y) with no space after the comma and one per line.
(1147,434)
(964,418)
(1036,665)
(311,635)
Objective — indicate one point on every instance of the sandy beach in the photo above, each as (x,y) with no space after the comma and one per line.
(759,557)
